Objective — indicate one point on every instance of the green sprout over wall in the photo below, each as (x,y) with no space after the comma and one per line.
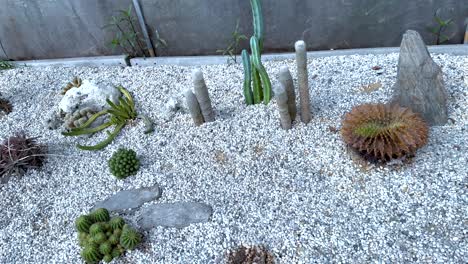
(439,29)
(120,114)
(257,85)
(233,46)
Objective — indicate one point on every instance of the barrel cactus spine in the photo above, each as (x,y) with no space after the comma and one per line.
(130,238)
(100,215)
(116,223)
(96,228)
(91,254)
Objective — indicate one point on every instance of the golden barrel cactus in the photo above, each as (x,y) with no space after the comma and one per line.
(383,132)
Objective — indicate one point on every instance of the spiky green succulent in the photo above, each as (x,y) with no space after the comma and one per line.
(91,254)
(130,238)
(124,163)
(82,223)
(102,238)
(120,114)
(96,228)
(100,215)
(116,222)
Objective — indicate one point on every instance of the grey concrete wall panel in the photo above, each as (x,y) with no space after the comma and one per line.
(38,29)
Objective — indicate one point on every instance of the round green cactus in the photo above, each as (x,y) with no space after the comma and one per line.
(100,215)
(108,258)
(118,232)
(91,254)
(130,238)
(114,240)
(83,223)
(99,238)
(96,228)
(124,163)
(117,223)
(105,248)
(116,253)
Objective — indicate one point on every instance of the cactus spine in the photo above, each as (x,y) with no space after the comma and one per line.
(83,223)
(129,238)
(194,107)
(100,215)
(201,93)
(282,102)
(302,76)
(256,80)
(116,222)
(286,80)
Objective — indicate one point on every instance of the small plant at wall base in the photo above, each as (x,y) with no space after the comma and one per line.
(233,46)
(257,85)
(438,30)
(127,37)
(5,65)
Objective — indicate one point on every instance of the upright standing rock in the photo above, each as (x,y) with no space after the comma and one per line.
(201,92)
(302,76)
(286,80)
(420,83)
(282,102)
(194,107)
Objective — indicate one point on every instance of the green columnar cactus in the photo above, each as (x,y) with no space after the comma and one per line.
(123,163)
(100,215)
(83,223)
(257,85)
(116,222)
(130,238)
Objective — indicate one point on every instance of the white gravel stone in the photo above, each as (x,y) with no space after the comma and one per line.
(298,192)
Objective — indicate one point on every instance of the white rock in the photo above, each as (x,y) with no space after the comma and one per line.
(88,95)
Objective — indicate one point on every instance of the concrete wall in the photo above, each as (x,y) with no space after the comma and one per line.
(38,29)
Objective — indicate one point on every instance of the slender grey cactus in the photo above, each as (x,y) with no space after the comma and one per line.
(302,76)
(194,107)
(286,80)
(282,102)
(201,92)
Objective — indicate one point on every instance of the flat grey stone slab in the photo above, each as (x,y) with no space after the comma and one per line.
(130,199)
(176,215)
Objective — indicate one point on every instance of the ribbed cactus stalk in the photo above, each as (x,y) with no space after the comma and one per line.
(286,80)
(201,93)
(282,102)
(130,238)
(257,85)
(194,107)
(302,76)
(116,222)
(100,215)
(83,223)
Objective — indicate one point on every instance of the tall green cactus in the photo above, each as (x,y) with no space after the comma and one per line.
(257,85)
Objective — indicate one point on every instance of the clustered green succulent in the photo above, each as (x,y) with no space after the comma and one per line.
(104,238)
(124,163)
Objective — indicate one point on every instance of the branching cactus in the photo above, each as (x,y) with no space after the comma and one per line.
(302,76)
(286,80)
(282,102)
(201,93)
(257,85)
(194,107)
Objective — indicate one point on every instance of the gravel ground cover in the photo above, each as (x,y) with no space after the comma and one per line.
(297,192)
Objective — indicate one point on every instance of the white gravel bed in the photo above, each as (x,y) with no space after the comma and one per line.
(297,192)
